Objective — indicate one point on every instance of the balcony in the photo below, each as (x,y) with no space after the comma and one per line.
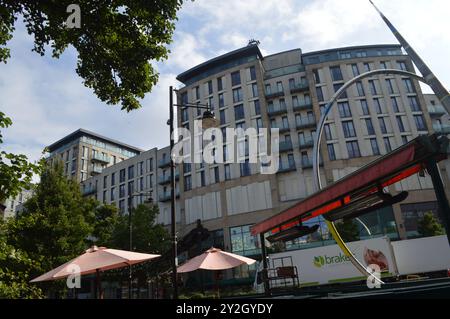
(166,179)
(286,146)
(283,129)
(96,170)
(166,196)
(443,129)
(286,168)
(273,111)
(299,87)
(308,163)
(307,142)
(100,158)
(306,122)
(273,95)
(436,110)
(89,190)
(164,162)
(303,107)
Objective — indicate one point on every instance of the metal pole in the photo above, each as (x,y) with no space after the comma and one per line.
(265,275)
(444,207)
(172,198)
(130,226)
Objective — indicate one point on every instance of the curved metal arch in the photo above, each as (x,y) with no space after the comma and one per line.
(316,167)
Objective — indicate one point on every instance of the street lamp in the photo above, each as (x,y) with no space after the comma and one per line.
(208,121)
(130,226)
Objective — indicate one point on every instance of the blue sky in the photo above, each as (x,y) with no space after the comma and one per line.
(47,100)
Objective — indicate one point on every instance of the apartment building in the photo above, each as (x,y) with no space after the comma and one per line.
(289,91)
(14,205)
(85,154)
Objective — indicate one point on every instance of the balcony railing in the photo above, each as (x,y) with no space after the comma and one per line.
(299,87)
(441,128)
(308,163)
(273,111)
(283,129)
(166,196)
(89,190)
(285,168)
(285,146)
(101,158)
(306,122)
(273,95)
(96,170)
(436,110)
(307,142)
(166,179)
(303,107)
(164,162)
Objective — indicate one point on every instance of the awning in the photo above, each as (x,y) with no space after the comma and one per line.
(385,171)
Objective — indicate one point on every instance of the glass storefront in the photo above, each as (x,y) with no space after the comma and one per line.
(413,214)
(243,242)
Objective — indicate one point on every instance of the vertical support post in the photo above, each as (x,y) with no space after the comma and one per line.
(130,226)
(172,198)
(444,207)
(265,276)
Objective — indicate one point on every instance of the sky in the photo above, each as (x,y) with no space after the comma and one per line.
(46,99)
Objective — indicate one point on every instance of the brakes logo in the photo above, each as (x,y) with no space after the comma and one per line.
(321,261)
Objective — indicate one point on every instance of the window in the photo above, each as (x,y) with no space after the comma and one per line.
(370,129)
(210,87)
(414,213)
(373,87)
(268,89)
(331,152)
(404,139)
(239,112)
(259,124)
(336,73)
(401,127)
(337,87)
(252,73)
(355,69)
(141,168)
(367,67)
(390,86)
(216,175)
(382,125)
(402,65)
(395,104)
(222,117)
(245,168)
(349,129)
(420,123)
(360,88)
(105,181)
(187,183)
(378,107)
(409,86)
(197,93)
(291,160)
(141,184)
(219,84)
(387,144)
(227,172)
(131,172)
(414,104)
(243,242)
(316,76)
(122,176)
(328,134)
(122,207)
(130,188)
(361,54)
(221,100)
(235,78)
(184,115)
(184,98)
(383,65)
(237,95)
(285,122)
(319,93)
(202,179)
(255,90)
(353,149)
(375,148)
(364,107)
(257,107)
(291,84)
(113,179)
(279,87)
(122,191)
(344,110)
(210,103)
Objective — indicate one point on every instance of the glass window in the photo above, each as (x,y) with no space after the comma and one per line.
(364,107)
(243,242)
(316,76)
(221,100)
(239,112)
(279,87)
(210,87)
(413,215)
(360,88)
(387,144)
(122,191)
(409,86)
(370,129)
(237,95)
(113,193)
(131,172)
(257,107)
(382,125)
(122,176)
(378,107)
(344,110)
(355,69)
(337,87)
(255,90)
(373,87)
(402,65)
(328,134)
(420,123)
(336,73)
(319,94)
(349,129)
(187,183)
(331,152)
(367,67)
(401,127)
(252,73)
(353,149)
(414,104)
(222,117)
(395,104)
(227,172)
(245,168)
(235,78)
(375,148)
(219,84)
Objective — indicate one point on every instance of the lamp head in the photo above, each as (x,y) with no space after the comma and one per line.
(209,120)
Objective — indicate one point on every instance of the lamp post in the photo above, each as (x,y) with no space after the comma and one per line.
(208,121)
(130,226)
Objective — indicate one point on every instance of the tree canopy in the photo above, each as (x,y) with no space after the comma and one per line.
(116,42)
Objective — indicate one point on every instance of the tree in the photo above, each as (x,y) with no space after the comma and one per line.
(16,172)
(116,40)
(104,221)
(348,230)
(429,226)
